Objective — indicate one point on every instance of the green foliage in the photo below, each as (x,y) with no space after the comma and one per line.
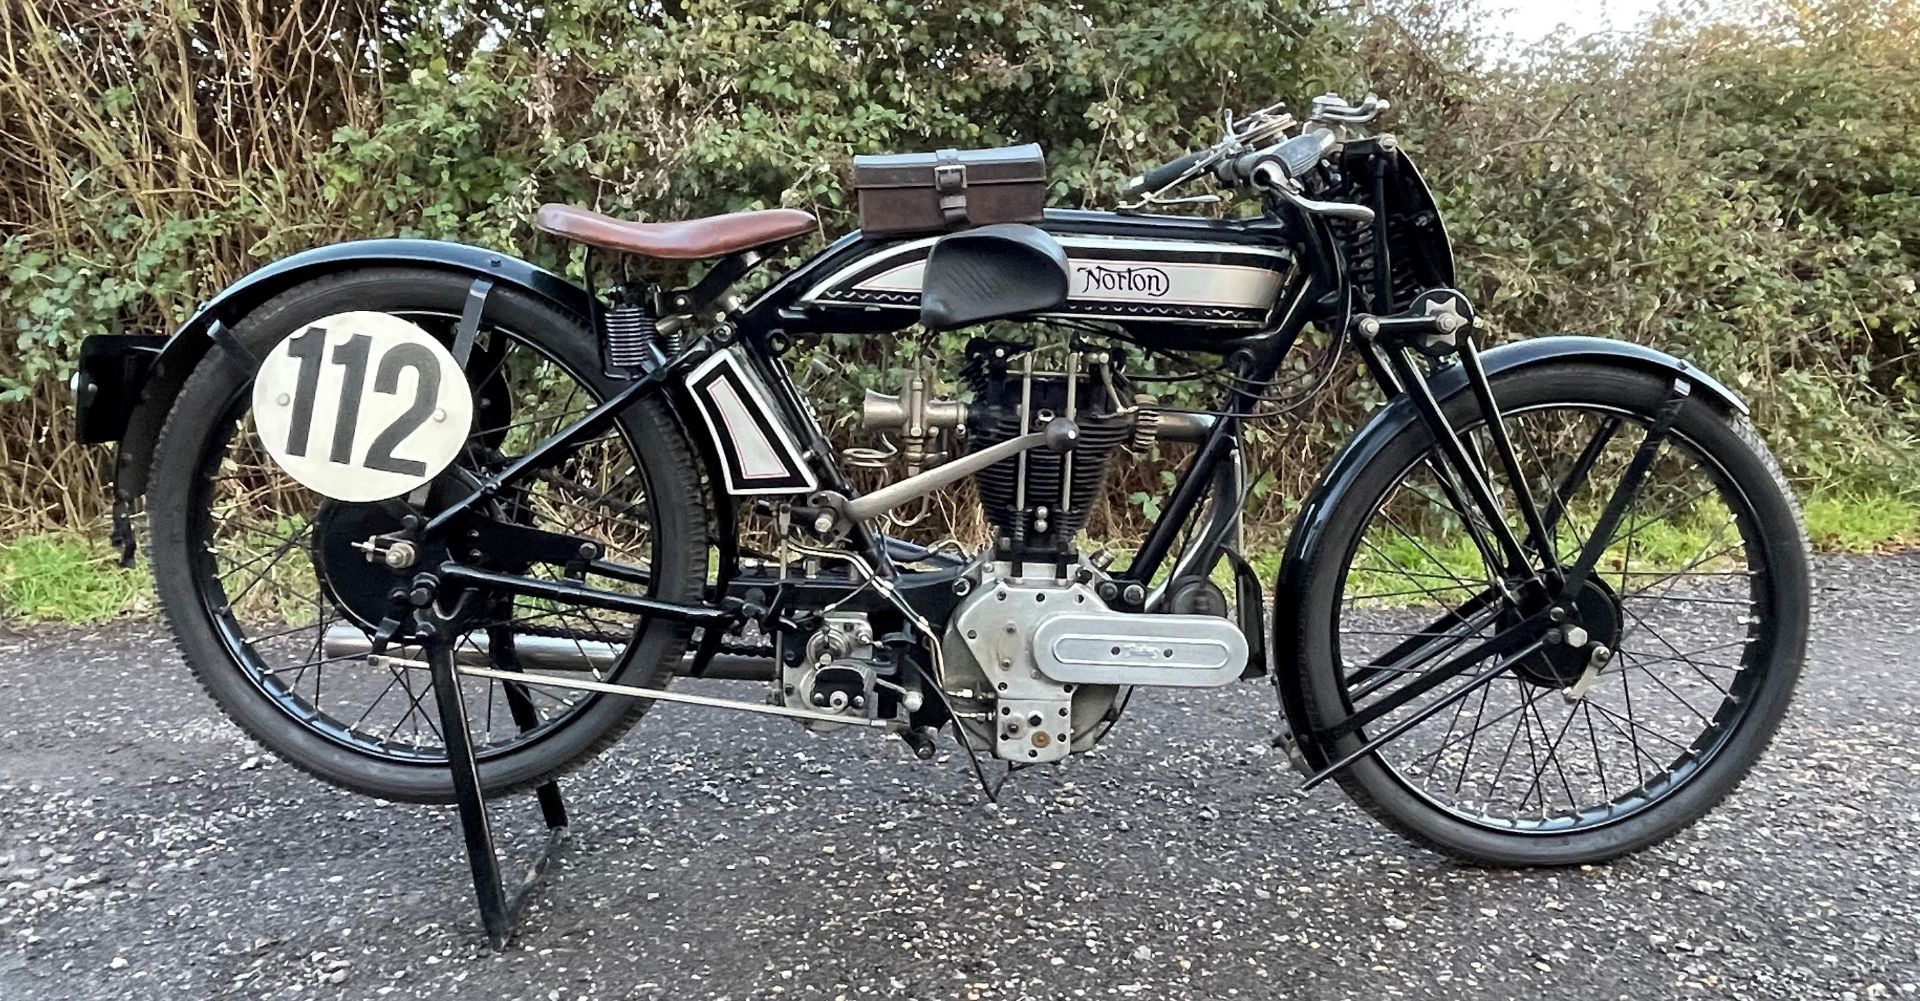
(1854,523)
(1742,194)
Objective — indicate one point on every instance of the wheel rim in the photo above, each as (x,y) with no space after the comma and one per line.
(1531,751)
(257,570)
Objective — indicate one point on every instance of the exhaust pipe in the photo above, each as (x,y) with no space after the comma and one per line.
(552,653)
(1183,426)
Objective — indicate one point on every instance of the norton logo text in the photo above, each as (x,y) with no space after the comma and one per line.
(1134,280)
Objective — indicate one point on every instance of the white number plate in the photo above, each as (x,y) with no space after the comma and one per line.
(362,406)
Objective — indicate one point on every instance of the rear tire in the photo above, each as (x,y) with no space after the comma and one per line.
(206,427)
(1419,796)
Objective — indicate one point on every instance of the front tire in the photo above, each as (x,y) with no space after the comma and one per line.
(1579,763)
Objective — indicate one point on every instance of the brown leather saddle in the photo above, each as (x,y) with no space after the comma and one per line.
(683,240)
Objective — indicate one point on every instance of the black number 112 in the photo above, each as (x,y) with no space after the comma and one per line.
(352,355)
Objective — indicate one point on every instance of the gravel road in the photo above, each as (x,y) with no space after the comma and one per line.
(148,850)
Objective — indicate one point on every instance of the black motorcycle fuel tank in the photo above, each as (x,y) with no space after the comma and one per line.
(1199,279)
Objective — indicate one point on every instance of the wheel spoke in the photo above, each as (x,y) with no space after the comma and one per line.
(1660,573)
(266,537)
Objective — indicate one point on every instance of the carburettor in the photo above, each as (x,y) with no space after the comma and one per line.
(925,425)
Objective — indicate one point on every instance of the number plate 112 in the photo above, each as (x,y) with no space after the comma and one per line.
(362,406)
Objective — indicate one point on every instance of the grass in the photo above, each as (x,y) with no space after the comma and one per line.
(1858,523)
(72,578)
(1836,523)
(68,578)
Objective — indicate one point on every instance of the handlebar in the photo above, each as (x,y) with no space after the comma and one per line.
(1294,158)
(1167,173)
(1277,168)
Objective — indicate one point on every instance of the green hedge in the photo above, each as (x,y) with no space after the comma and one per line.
(1742,194)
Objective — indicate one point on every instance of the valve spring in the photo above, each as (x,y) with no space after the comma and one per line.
(1146,426)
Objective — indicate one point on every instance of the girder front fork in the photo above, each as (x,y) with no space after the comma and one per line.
(1439,326)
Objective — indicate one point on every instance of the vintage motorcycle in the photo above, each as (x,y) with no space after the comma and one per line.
(1547,605)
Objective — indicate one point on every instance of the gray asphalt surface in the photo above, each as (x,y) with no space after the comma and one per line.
(148,850)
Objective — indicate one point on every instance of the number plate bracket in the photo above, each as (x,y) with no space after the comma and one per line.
(470,314)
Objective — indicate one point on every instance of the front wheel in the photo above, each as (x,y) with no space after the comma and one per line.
(1667,671)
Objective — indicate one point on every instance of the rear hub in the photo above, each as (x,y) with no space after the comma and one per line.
(358,580)
(357,575)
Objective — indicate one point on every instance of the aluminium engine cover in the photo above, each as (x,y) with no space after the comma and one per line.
(1032,714)
(1118,648)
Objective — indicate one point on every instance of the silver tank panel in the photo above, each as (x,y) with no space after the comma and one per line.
(1121,278)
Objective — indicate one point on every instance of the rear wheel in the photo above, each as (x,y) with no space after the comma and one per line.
(1571,753)
(272,606)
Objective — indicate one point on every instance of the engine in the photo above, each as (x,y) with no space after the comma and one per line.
(1036,501)
(1034,657)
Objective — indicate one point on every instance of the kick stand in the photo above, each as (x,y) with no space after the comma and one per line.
(499,913)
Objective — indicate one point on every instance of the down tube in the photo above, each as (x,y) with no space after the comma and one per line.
(1205,472)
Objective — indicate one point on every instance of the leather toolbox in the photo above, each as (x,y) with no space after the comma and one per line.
(950,189)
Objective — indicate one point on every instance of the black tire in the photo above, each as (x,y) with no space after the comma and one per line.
(206,422)
(1409,792)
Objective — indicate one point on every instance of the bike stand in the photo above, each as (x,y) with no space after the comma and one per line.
(500,913)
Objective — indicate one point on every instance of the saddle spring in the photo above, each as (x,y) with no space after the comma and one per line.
(628,332)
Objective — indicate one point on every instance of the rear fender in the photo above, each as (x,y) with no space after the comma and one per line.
(178,356)
(1309,543)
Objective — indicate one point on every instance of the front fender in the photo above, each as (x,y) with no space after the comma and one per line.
(1306,546)
(178,356)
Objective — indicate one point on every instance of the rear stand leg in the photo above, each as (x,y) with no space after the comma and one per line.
(500,913)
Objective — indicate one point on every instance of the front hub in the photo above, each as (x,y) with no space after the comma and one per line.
(1593,609)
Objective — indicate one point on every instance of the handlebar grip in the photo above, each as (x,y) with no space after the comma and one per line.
(1290,159)
(1239,170)
(1165,174)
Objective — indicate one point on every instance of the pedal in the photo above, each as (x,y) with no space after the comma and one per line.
(1283,738)
(920,739)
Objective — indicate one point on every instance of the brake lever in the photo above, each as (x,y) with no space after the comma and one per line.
(1273,177)
(1333,210)
(1334,108)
